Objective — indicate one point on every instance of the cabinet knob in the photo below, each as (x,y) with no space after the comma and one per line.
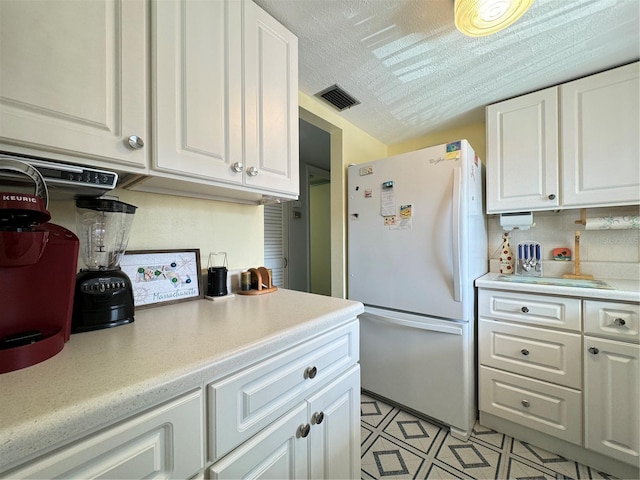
(237,167)
(303,430)
(524,351)
(310,372)
(594,350)
(525,403)
(552,196)
(252,171)
(135,142)
(524,310)
(619,321)
(318,417)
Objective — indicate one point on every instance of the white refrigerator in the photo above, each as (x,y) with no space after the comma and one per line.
(416,242)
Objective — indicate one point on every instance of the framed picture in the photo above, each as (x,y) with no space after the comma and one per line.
(163,276)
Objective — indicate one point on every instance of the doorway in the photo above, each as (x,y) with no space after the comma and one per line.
(298,233)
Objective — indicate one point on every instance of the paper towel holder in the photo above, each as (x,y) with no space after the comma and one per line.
(583,217)
(519,220)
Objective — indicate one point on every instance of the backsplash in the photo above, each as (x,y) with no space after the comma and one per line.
(603,253)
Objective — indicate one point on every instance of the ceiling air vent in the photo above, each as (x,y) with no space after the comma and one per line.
(337,97)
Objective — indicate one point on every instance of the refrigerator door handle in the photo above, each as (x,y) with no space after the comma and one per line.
(455,224)
(452,330)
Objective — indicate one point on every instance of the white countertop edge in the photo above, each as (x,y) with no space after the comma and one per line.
(23,441)
(623,290)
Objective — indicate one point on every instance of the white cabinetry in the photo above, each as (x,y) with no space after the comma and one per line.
(529,375)
(225,115)
(600,139)
(574,145)
(74,84)
(563,373)
(522,153)
(304,402)
(318,438)
(164,442)
(612,380)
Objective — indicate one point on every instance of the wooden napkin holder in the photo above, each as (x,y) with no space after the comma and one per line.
(261,278)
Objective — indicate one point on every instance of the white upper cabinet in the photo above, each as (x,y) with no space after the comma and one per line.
(271,103)
(600,139)
(522,153)
(225,105)
(73,81)
(197,94)
(571,146)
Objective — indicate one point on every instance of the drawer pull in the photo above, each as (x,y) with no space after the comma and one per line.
(524,351)
(594,350)
(525,403)
(524,310)
(303,430)
(318,417)
(310,372)
(620,322)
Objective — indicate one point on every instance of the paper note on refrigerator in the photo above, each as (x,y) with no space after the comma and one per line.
(387,202)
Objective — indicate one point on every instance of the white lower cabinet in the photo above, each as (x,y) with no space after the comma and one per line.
(612,398)
(164,442)
(562,373)
(319,438)
(294,415)
(279,451)
(334,440)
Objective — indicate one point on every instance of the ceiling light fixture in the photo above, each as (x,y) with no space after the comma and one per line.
(478,18)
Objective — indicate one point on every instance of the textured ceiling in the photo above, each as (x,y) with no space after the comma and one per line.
(415,73)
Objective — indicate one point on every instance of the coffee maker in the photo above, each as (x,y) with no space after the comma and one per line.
(38,262)
(103,293)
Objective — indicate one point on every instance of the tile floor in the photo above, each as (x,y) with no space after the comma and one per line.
(396,444)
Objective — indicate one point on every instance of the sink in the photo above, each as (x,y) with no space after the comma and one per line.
(563,282)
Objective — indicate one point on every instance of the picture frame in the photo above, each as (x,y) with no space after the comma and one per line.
(162,277)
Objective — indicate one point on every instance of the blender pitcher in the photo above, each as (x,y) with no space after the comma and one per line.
(104,295)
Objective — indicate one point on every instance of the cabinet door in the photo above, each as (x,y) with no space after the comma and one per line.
(334,415)
(197,99)
(278,452)
(271,103)
(73,80)
(612,396)
(165,442)
(522,153)
(600,138)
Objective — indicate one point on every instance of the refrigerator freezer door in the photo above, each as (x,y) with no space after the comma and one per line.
(410,262)
(424,364)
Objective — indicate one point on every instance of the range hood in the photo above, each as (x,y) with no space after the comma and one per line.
(63,180)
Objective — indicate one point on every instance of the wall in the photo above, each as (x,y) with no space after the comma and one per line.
(168,222)
(320,249)
(603,253)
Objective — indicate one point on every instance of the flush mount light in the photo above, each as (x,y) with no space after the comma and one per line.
(478,18)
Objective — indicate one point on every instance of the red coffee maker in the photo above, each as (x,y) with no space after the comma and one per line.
(38,262)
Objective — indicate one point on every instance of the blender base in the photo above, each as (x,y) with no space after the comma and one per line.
(103,299)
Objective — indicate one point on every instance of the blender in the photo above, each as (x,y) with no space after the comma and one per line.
(103,293)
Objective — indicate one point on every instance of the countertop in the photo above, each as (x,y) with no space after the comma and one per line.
(617,290)
(104,376)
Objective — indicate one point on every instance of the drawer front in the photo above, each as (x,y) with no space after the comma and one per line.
(165,442)
(542,310)
(543,354)
(245,403)
(612,319)
(548,408)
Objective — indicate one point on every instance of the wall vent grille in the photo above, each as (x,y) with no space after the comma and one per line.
(337,97)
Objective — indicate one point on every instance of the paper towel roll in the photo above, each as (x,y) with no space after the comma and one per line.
(613,223)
